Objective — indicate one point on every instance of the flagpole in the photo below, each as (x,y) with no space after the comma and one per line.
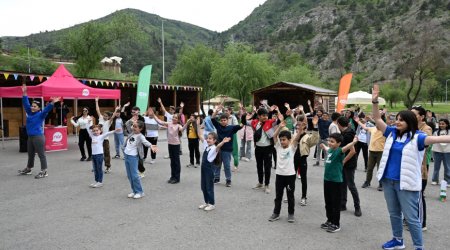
(163,70)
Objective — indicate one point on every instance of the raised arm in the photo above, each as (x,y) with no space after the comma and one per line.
(186,124)
(225,140)
(363,126)
(350,145)
(277,132)
(437,139)
(381,125)
(216,110)
(160,122)
(162,105)
(97,108)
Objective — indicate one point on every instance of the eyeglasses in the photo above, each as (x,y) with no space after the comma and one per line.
(85,110)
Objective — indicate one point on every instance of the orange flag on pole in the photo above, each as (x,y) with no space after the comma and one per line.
(344,88)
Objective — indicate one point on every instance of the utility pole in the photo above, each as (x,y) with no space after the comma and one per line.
(163,70)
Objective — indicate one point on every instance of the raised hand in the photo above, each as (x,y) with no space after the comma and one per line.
(226,139)
(309,103)
(159,100)
(24,88)
(55,99)
(127,104)
(96,99)
(181,104)
(286,105)
(240,105)
(282,124)
(315,120)
(375,92)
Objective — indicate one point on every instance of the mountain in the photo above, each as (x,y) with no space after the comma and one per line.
(136,53)
(337,36)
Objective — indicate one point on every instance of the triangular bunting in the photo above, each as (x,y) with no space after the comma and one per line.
(6,75)
(83,81)
(31,77)
(40,78)
(96,83)
(15,76)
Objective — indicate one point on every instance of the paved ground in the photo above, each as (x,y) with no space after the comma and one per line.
(62,212)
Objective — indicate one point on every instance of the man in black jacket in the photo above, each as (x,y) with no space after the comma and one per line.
(350,163)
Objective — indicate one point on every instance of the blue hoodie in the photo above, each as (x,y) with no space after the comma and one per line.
(35,119)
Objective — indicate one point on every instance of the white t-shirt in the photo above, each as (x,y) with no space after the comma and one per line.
(212,153)
(97,141)
(333,128)
(119,124)
(168,116)
(106,124)
(285,159)
(362,136)
(83,123)
(131,147)
(265,140)
(151,127)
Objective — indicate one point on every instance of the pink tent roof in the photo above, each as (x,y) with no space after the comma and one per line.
(62,84)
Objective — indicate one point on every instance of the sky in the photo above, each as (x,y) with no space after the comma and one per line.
(24,17)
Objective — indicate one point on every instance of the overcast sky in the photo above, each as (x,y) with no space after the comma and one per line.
(24,17)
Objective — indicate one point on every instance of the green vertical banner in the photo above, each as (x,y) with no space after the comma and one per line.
(143,89)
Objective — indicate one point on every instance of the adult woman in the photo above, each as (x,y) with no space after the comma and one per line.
(35,131)
(441,153)
(400,172)
(84,121)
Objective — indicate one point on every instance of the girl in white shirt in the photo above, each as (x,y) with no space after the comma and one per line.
(97,153)
(133,151)
(83,121)
(211,148)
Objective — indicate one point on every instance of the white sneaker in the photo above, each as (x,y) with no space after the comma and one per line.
(131,195)
(299,176)
(152,162)
(267,190)
(203,206)
(92,184)
(434,183)
(258,186)
(141,175)
(138,196)
(166,157)
(303,202)
(97,185)
(245,159)
(210,207)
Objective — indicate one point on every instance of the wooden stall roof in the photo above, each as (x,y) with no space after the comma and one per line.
(293,86)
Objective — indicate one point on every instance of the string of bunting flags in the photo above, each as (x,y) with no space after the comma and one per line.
(104,83)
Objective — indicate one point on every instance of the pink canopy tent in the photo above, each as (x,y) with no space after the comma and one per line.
(62,84)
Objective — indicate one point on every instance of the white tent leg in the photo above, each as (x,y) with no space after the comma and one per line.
(75,114)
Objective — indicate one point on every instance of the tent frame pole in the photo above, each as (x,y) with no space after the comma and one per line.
(3,128)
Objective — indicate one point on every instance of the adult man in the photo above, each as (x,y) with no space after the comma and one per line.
(350,163)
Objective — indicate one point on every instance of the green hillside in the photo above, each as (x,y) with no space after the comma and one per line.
(136,52)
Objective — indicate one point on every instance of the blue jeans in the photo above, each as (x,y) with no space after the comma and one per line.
(207,182)
(226,159)
(407,203)
(438,159)
(131,166)
(97,162)
(118,141)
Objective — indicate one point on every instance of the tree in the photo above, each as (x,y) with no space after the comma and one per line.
(392,93)
(240,71)
(432,91)
(420,59)
(300,74)
(89,43)
(194,67)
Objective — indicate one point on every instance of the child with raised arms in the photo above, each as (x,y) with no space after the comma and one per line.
(333,180)
(210,160)
(133,150)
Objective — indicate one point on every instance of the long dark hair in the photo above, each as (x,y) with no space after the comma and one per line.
(446,122)
(218,159)
(411,121)
(78,117)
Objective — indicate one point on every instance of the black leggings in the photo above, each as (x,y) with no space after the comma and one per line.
(153,141)
(83,137)
(301,165)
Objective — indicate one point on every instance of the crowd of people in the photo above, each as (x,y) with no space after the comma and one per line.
(400,145)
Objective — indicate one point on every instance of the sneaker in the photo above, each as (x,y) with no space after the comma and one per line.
(89,159)
(325,225)
(235,169)
(323,159)
(117,157)
(258,186)
(424,229)
(138,196)
(274,217)
(131,195)
(107,170)
(299,176)
(285,200)
(166,157)
(434,183)
(393,244)
(303,202)
(316,164)
(152,162)
(210,207)
(245,159)
(365,185)
(92,184)
(343,208)
(83,159)
(25,171)
(97,185)
(380,188)
(196,165)
(41,174)
(358,212)
(291,218)
(202,206)
(141,175)
(266,189)
(216,181)
(228,184)
(333,228)
(189,165)
(314,158)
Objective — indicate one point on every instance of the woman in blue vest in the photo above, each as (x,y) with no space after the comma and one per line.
(35,131)
(400,172)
